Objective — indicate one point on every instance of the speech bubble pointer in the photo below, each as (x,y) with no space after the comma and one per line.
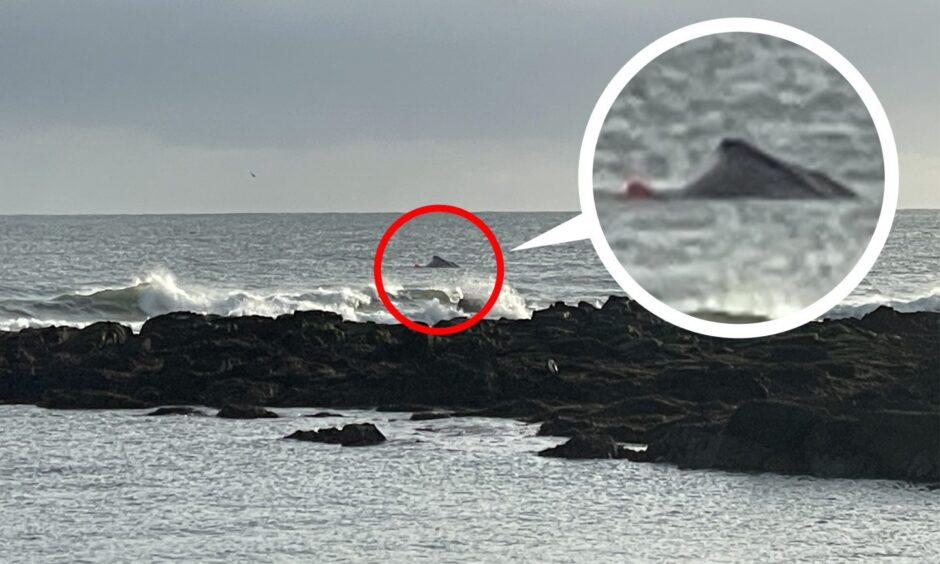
(575,229)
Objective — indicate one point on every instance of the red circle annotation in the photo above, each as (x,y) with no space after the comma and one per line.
(380,286)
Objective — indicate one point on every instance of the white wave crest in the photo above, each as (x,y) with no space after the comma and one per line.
(861,307)
(159,292)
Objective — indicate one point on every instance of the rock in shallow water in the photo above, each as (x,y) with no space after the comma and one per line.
(177,410)
(783,437)
(589,445)
(234,411)
(354,434)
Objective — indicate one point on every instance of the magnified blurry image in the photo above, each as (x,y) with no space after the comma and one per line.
(738,177)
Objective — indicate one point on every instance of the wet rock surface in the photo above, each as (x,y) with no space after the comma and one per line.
(795,439)
(354,434)
(853,398)
(591,446)
(236,411)
(177,410)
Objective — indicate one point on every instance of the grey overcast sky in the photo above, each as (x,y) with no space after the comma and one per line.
(159,107)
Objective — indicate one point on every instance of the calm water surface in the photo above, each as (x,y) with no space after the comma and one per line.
(117,486)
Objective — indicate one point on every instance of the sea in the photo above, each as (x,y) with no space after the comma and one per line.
(738,260)
(75,270)
(117,486)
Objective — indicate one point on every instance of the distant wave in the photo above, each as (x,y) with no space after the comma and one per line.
(928,302)
(160,292)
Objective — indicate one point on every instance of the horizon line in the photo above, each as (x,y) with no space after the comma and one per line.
(95,214)
(346,212)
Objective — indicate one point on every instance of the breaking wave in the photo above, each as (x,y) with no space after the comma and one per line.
(861,307)
(161,292)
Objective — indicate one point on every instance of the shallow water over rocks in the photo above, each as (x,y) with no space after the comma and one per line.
(106,485)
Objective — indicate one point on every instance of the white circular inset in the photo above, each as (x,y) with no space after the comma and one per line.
(889,155)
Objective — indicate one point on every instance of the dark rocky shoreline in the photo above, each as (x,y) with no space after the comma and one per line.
(841,398)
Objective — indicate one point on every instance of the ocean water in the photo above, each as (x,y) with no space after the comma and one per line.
(117,486)
(79,269)
(74,270)
(747,258)
(668,120)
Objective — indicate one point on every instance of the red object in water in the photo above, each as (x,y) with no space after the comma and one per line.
(637,190)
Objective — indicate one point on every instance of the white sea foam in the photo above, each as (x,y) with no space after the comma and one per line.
(861,307)
(159,292)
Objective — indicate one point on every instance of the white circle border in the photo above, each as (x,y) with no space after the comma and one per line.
(889,155)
